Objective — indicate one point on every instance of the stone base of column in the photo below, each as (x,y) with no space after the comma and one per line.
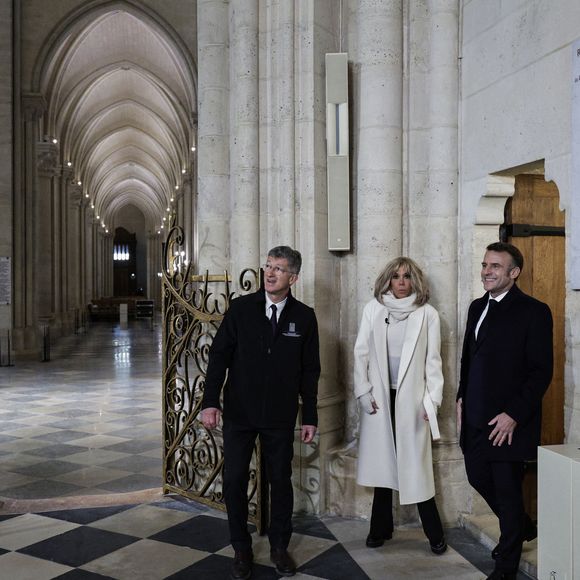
(25,342)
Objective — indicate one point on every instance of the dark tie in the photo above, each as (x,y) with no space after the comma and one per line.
(274,319)
(491,308)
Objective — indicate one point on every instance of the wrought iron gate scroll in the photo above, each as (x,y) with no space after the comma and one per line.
(193,307)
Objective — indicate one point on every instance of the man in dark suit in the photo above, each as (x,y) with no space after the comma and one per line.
(267,344)
(506,367)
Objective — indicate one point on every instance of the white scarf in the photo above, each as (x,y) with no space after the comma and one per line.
(400,308)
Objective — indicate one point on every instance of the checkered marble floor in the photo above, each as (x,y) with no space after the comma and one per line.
(173,538)
(85,430)
(87,422)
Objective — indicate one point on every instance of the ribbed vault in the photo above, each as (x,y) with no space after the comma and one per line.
(120,89)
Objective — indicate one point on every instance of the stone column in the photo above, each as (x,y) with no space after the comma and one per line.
(6,151)
(25,315)
(244,146)
(277,120)
(153,268)
(87,269)
(433,211)
(213,210)
(98,274)
(73,278)
(375,45)
(186,215)
(47,220)
(107,263)
(379,179)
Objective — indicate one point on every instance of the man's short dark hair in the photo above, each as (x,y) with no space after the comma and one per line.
(286,252)
(517,258)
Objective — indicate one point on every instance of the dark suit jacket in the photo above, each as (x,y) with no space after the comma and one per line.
(266,375)
(508,370)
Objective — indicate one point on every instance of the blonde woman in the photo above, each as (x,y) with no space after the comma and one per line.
(399,385)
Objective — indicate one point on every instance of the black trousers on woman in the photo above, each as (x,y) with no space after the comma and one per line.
(382,512)
(382,516)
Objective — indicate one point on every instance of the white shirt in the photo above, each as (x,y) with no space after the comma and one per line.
(484,313)
(395,338)
(279,307)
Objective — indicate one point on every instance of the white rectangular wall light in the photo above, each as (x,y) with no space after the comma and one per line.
(337,151)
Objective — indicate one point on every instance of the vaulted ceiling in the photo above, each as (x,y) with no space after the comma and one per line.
(120,89)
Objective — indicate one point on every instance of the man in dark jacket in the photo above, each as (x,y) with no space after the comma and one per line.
(506,367)
(267,344)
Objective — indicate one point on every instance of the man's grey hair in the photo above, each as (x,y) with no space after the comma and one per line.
(286,252)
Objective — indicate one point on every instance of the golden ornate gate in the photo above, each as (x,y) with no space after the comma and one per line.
(193,307)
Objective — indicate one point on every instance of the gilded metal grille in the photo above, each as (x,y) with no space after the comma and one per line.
(193,307)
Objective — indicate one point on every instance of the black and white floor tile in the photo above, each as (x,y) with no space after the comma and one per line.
(87,424)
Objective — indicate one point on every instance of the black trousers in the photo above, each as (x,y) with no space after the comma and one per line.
(278,451)
(382,516)
(382,511)
(500,485)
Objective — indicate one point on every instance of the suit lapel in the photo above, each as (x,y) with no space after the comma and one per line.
(380,339)
(478,309)
(501,307)
(414,325)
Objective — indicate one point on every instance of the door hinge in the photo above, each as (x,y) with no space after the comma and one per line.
(526,230)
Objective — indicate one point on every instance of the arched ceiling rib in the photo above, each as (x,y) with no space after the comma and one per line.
(121,100)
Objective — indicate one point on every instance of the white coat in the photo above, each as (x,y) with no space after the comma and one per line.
(409,468)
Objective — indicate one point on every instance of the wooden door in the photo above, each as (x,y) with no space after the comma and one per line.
(536,203)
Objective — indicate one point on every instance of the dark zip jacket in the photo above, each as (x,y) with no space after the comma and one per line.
(266,374)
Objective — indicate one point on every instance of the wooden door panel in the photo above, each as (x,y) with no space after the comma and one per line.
(536,202)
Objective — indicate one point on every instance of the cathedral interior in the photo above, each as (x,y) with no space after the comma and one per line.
(152,152)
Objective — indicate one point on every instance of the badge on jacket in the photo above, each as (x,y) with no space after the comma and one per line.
(291,330)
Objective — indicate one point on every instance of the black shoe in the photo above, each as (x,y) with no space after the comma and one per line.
(530,533)
(376,541)
(498,575)
(242,566)
(283,561)
(440,547)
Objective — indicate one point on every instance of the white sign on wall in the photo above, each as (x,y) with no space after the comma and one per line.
(574,221)
(5,280)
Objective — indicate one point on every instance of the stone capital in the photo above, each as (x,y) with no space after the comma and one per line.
(33,106)
(47,159)
(75,195)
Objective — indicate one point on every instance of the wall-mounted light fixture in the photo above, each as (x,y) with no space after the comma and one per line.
(337,151)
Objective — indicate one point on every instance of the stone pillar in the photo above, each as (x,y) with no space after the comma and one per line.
(277,118)
(154,267)
(107,262)
(244,139)
(47,221)
(88,263)
(98,274)
(379,181)
(213,209)
(433,209)
(375,46)
(82,260)
(24,309)
(6,149)
(73,266)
